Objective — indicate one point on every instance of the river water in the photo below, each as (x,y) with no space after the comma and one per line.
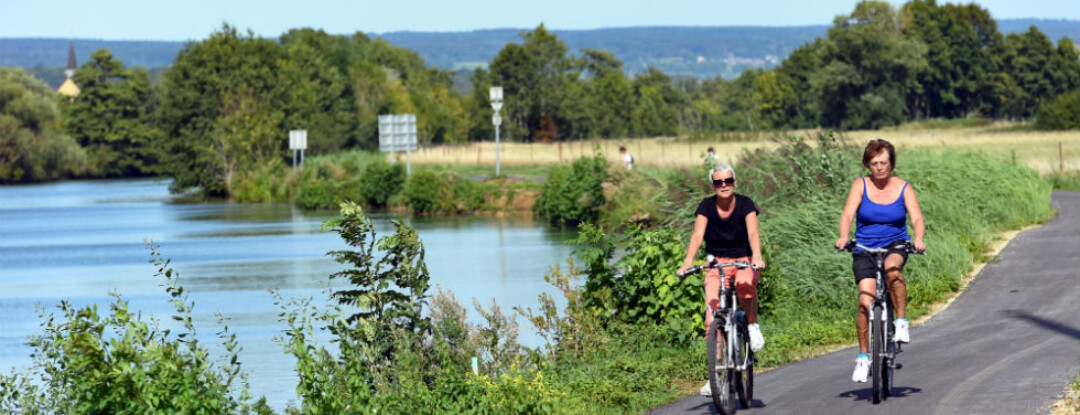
(81,240)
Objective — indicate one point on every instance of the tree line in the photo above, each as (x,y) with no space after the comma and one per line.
(225,105)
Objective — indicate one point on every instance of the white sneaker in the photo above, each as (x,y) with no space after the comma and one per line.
(903,333)
(862,369)
(757,341)
(705,390)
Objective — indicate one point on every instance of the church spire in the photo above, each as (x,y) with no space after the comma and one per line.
(71,67)
(68,87)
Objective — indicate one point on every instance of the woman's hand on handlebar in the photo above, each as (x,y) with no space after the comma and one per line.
(920,246)
(681,273)
(841,242)
(758,263)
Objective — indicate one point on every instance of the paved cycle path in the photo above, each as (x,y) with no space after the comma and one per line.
(1007,345)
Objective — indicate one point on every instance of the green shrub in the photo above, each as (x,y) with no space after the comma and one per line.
(122,364)
(380,181)
(317,193)
(573,194)
(422,191)
(1066,181)
(1060,113)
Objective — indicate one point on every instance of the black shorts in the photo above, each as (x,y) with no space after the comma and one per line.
(864,266)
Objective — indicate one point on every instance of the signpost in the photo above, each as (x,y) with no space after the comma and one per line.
(496,94)
(297,141)
(397,132)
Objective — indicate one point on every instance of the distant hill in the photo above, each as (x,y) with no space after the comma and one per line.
(702,52)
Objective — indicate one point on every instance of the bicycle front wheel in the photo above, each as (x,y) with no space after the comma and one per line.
(877,361)
(721,370)
(744,357)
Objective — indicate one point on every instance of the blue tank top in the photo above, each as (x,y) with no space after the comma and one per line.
(877,225)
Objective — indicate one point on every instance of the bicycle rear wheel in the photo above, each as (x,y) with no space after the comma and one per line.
(877,340)
(744,379)
(721,373)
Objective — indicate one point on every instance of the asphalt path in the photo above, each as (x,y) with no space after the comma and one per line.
(1007,345)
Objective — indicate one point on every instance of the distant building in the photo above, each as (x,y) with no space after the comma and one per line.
(68,87)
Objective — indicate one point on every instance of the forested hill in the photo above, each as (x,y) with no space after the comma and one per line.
(702,52)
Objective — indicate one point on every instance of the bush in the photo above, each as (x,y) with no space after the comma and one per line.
(121,364)
(1060,113)
(422,191)
(641,287)
(315,193)
(573,194)
(380,181)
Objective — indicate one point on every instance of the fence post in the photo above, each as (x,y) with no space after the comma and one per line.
(1061,158)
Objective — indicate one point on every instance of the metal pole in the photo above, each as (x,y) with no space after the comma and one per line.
(408,162)
(301,159)
(294,159)
(496,150)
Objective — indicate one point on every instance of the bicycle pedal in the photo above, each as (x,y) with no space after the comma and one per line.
(898,366)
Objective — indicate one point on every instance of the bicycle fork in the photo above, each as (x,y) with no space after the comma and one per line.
(891,348)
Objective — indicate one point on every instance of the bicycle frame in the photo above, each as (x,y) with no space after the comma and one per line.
(882,358)
(732,361)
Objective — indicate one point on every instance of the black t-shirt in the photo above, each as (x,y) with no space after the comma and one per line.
(727,238)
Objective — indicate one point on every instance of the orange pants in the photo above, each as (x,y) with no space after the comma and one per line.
(746,280)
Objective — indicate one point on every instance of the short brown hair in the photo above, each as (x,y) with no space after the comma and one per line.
(874,147)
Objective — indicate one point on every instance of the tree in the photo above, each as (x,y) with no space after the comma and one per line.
(531,75)
(867,61)
(654,105)
(320,98)
(211,86)
(1025,60)
(111,117)
(32,145)
(608,95)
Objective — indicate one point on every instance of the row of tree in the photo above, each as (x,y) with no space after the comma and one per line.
(225,105)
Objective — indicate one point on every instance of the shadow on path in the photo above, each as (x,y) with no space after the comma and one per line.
(1044,323)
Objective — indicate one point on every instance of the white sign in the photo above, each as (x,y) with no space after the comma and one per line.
(297,139)
(397,132)
(496,119)
(496,95)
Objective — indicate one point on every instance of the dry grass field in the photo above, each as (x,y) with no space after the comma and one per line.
(1042,151)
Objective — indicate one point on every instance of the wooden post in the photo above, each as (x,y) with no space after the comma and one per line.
(1061,158)
(1014,156)
(661,151)
(478,153)
(560,152)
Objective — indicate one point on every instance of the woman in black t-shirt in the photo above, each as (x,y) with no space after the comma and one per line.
(728,224)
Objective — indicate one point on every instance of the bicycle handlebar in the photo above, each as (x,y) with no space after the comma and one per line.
(699,268)
(852,244)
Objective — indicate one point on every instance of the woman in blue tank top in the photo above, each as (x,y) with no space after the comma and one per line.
(880,203)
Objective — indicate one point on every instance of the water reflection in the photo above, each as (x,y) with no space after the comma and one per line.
(81,240)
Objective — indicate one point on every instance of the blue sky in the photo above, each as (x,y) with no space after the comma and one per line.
(196,19)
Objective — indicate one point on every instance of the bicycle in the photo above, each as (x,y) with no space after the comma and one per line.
(733,375)
(883,349)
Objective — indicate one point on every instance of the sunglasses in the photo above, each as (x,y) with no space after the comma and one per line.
(730,181)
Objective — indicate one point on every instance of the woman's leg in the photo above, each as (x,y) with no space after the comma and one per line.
(746,280)
(712,295)
(894,278)
(867,289)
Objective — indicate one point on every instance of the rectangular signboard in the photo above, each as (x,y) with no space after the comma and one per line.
(397,132)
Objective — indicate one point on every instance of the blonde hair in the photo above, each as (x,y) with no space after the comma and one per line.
(720,168)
